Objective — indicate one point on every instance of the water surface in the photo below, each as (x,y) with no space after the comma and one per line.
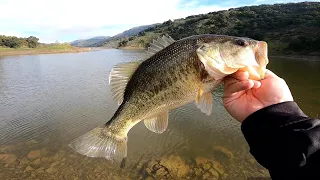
(48,100)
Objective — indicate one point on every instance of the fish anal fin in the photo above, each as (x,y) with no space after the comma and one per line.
(119,77)
(204,102)
(157,123)
(199,94)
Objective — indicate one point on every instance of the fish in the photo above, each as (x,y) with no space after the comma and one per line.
(174,73)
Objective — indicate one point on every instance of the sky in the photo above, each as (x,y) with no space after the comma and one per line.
(68,20)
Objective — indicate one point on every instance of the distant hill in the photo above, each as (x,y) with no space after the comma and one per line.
(89,42)
(292,28)
(114,40)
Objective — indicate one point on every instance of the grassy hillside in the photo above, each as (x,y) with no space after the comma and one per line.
(113,42)
(89,42)
(41,49)
(292,28)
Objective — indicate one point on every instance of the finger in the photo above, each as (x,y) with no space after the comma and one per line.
(256,85)
(270,74)
(239,86)
(236,77)
(240,75)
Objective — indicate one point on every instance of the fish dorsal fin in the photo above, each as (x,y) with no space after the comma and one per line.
(119,77)
(157,123)
(159,44)
(204,102)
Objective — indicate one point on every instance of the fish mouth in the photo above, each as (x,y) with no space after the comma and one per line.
(261,56)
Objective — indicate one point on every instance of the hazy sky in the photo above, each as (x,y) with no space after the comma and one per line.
(68,20)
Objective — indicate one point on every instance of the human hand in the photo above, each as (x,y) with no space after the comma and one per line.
(242,96)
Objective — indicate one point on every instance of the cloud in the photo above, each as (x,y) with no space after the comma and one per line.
(66,20)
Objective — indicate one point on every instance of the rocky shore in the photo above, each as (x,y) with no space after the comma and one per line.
(29,161)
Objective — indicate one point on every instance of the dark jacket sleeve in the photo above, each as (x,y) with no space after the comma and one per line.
(285,141)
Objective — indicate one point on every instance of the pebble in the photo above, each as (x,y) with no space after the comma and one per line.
(8,158)
(24,161)
(35,162)
(33,154)
(54,164)
(29,168)
(51,170)
(224,151)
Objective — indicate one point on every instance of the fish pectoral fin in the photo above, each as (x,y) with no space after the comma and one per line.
(204,103)
(119,77)
(157,123)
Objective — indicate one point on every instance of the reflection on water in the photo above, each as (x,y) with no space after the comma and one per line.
(48,100)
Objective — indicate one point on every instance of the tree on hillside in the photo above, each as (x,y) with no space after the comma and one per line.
(32,42)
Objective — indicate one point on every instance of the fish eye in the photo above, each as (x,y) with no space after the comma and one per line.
(241,42)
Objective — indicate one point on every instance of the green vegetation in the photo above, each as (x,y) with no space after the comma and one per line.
(89,42)
(15,42)
(119,40)
(292,28)
(41,49)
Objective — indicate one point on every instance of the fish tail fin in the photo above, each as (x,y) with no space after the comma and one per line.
(100,142)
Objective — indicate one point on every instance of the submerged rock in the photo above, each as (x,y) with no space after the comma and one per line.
(226,152)
(213,167)
(34,154)
(176,165)
(217,166)
(32,142)
(46,159)
(54,164)
(7,148)
(35,162)
(8,158)
(24,161)
(171,167)
(29,168)
(51,170)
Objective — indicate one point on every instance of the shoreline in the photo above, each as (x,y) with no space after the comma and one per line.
(132,48)
(18,52)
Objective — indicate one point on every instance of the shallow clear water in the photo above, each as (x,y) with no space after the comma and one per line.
(48,100)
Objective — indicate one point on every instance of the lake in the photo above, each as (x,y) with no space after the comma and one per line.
(48,100)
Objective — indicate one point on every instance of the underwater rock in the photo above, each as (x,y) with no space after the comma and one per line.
(40,170)
(8,158)
(214,172)
(54,164)
(176,166)
(32,142)
(29,168)
(218,167)
(72,156)
(167,168)
(24,161)
(46,159)
(210,165)
(7,148)
(44,152)
(51,170)
(224,151)
(35,162)
(33,154)
(252,161)
(200,160)
(208,176)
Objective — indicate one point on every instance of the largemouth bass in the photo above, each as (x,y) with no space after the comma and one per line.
(176,73)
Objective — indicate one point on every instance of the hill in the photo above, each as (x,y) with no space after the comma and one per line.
(292,28)
(113,41)
(89,42)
